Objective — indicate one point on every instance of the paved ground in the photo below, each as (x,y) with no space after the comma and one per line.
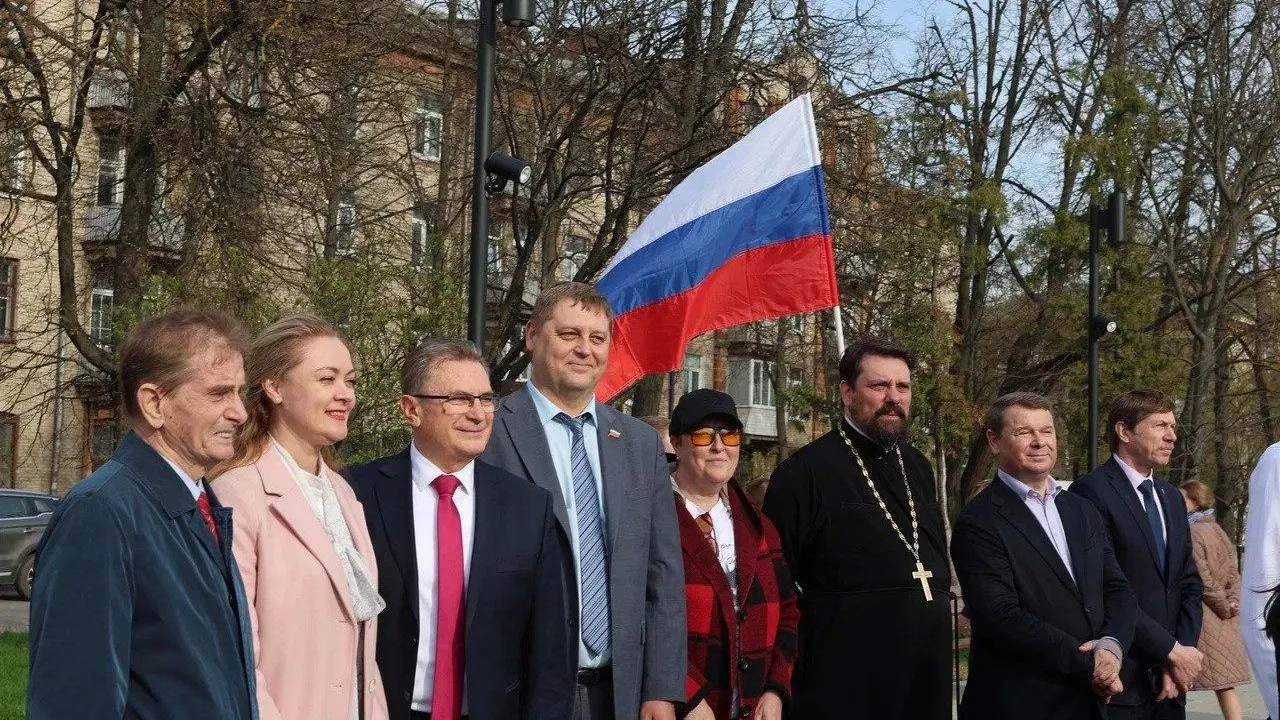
(13,612)
(1204,705)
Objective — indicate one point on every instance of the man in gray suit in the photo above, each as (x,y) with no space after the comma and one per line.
(612,492)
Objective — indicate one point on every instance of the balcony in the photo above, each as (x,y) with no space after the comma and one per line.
(102,226)
(109,90)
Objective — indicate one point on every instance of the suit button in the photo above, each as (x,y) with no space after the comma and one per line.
(742,614)
(744,711)
(744,664)
(373,684)
(413,641)
(408,695)
(1088,611)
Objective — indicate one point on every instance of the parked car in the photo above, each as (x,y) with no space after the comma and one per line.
(23,517)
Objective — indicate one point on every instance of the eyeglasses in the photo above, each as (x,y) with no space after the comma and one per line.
(461,403)
(702,437)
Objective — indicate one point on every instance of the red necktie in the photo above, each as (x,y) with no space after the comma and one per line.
(446,690)
(207,512)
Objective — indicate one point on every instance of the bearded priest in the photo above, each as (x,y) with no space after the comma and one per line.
(861,527)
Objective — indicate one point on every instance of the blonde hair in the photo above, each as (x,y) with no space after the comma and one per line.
(276,351)
(1198,493)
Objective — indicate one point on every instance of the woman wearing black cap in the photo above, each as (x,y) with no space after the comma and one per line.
(740,602)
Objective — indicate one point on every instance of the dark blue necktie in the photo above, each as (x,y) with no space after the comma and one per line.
(592,556)
(1153,518)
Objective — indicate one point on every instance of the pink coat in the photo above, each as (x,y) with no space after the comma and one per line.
(304,633)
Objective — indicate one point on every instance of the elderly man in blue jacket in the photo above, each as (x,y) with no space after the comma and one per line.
(138,609)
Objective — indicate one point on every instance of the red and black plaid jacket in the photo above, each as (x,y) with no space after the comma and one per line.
(755,650)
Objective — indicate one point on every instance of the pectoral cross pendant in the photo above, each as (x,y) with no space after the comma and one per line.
(923,576)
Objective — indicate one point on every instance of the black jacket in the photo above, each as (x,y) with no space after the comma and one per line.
(517,648)
(1169,600)
(1029,616)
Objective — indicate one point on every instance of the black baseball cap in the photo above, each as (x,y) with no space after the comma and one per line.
(698,405)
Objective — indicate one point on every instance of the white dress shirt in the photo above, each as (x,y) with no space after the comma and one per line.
(1135,479)
(560,442)
(1045,510)
(195,487)
(425,502)
(1261,572)
(722,532)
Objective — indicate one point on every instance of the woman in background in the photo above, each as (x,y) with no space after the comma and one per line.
(300,536)
(1225,664)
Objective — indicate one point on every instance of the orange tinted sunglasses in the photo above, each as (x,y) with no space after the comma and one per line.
(702,437)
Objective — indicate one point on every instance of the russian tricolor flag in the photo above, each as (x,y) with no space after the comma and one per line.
(745,237)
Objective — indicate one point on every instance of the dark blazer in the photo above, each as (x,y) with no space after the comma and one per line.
(136,611)
(753,650)
(516,665)
(646,572)
(1029,616)
(1168,601)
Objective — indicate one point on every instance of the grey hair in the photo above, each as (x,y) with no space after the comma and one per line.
(429,353)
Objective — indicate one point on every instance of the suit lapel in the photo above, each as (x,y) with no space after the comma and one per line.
(746,539)
(394,495)
(1129,497)
(700,555)
(1174,509)
(520,421)
(1015,511)
(484,549)
(613,465)
(288,504)
(1073,526)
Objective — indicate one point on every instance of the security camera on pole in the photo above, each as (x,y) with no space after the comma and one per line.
(1110,220)
(491,170)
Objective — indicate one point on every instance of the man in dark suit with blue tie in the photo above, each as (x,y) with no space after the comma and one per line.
(468,561)
(611,486)
(1147,521)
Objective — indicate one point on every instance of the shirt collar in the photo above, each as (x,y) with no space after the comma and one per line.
(194,486)
(1023,490)
(1134,478)
(547,410)
(425,472)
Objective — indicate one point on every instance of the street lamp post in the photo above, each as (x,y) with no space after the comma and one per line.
(490,170)
(1110,220)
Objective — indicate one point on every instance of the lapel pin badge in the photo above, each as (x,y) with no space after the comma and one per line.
(614,434)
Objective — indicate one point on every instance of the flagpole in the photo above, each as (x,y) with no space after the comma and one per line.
(839,331)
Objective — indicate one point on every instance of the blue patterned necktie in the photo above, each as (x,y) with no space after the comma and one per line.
(1153,518)
(593,565)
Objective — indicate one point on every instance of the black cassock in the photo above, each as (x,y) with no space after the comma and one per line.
(871,646)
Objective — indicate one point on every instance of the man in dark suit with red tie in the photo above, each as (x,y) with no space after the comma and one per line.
(138,609)
(468,561)
(1147,521)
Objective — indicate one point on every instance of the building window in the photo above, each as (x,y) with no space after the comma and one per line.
(110,171)
(8,449)
(8,296)
(576,248)
(493,255)
(13,161)
(421,227)
(100,442)
(344,230)
(752,113)
(428,126)
(101,305)
(795,381)
(762,383)
(692,373)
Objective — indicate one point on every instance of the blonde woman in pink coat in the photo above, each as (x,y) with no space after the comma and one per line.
(300,535)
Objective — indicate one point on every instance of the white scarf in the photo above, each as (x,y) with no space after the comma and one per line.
(366,603)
